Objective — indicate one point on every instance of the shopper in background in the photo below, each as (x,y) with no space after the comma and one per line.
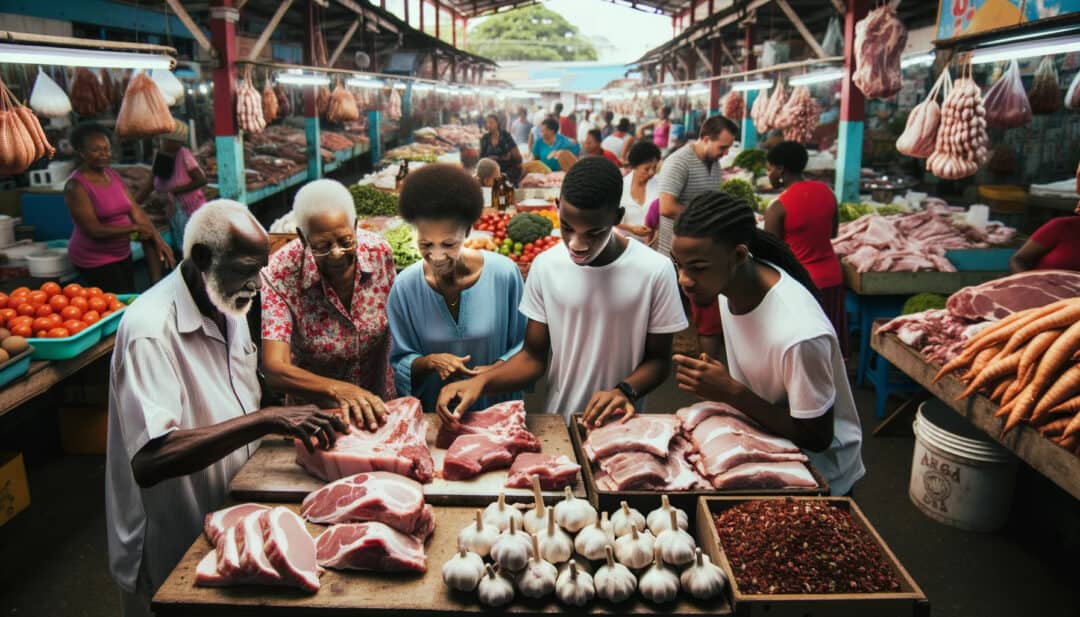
(487,172)
(324,329)
(806,217)
(620,140)
(640,188)
(784,367)
(602,311)
(454,314)
(609,126)
(590,146)
(106,218)
(497,144)
(1055,245)
(554,150)
(567,123)
(584,127)
(521,127)
(661,128)
(534,134)
(176,174)
(184,402)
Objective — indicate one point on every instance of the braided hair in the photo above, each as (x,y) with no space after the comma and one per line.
(728,219)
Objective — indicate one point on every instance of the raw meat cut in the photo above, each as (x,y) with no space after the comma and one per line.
(379,496)
(217,522)
(399,446)
(551,180)
(503,424)
(370,546)
(726,451)
(556,472)
(698,412)
(254,563)
(650,433)
(290,548)
(880,38)
(766,475)
(681,475)
(632,469)
(721,426)
(471,455)
(936,333)
(1000,298)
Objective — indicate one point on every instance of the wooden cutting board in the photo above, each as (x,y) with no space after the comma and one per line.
(380,594)
(273,475)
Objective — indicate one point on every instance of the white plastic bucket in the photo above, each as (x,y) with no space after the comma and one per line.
(959,476)
(7,230)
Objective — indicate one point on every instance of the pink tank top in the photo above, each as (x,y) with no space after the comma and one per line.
(660,134)
(113,208)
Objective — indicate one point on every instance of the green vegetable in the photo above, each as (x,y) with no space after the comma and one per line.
(743,190)
(751,160)
(402,241)
(888,209)
(922,302)
(370,201)
(528,227)
(851,211)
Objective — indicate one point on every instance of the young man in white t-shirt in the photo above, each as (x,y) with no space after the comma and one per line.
(605,308)
(784,367)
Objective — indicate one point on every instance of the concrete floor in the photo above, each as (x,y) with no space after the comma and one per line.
(53,557)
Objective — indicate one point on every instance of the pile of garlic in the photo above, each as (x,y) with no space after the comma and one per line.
(577,554)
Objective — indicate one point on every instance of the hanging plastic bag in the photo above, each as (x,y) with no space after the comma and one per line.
(759,112)
(920,134)
(48,99)
(1006,102)
(833,43)
(776,105)
(87,94)
(342,106)
(171,88)
(22,140)
(143,112)
(1045,94)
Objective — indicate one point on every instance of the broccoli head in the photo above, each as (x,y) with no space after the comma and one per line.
(528,227)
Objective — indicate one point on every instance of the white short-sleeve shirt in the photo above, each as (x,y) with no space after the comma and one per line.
(786,352)
(598,319)
(171,369)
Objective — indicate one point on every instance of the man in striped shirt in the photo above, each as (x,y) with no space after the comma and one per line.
(688,172)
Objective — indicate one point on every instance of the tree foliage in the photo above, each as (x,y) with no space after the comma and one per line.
(529,33)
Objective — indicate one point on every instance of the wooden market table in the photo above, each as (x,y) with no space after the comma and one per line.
(43,375)
(381,594)
(1046,457)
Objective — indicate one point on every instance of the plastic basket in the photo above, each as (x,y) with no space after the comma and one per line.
(67,347)
(110,324)
(15,367)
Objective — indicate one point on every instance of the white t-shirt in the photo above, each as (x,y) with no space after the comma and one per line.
(598,318)
(583,129)
(171,369)
(614,144)
(786,352)
(635,212)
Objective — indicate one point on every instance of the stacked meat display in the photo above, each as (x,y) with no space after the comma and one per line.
(249,106)
(704,446)
(880,39)
(552,180)
(962,143)
(799,117)
(22,140)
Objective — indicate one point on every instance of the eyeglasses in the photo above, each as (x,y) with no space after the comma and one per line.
(344,246)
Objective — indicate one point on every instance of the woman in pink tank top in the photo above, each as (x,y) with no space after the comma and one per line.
(661,128)
(105,218)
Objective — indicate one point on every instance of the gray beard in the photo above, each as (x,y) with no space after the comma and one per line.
(223,303)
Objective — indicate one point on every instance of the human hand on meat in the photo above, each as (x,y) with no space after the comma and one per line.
(460,394)
(448,365)
(704,376)
(606,403)
(306,422)
(361,407)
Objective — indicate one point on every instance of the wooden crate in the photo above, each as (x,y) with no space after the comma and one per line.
(646,501)
(909,601)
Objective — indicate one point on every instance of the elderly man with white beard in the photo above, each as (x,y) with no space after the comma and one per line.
(184,401)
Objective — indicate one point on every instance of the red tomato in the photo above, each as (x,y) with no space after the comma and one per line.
(3,299)
(51,288)
(70,312)
(97,304)
(109,297)
(94,291)
(56,320)
(37,298)
(26,309)
(74,291)
(106,314)
(116,306)
(74,326)
(91,317)
(59,302)
(21,291)
(22,330)
(44,310)
(20,320)
(41,334)
(14,301)
(8,314)
(41,323)
(58,333)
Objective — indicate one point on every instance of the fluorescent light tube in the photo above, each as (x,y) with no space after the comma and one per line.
(63,56)
(300,79)
(926,58)
(816,78)
(756,84)
(371,84)
(1027,49)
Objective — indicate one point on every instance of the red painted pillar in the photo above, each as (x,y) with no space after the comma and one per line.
(437,17)
(229,149)
(453,32)
(311,112)
(693,12)
(717,58)
(464,32)
(421,15)
(852,112)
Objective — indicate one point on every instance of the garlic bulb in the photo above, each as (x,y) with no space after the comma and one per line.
(625,518)
(535,519)
(659,520)
(703,579)
(659,584)
(495,589)
(538,578)
(590,542)
(512,550)
(675,545)
(575,586)
(499,514)
(463,571)
(573,514)
(635,550)
(555,545)
(614,582)
(478,537)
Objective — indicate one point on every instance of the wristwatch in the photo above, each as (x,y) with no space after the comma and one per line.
(628,390)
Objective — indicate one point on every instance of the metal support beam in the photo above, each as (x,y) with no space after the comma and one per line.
(705,61)
(839,6)
(438,10)
(268,31)
(344,41)
(801,27)
(369,16)
(727,52)
(189,23)
(714,86)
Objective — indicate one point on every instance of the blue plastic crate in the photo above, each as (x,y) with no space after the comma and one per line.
(67,347)
(110,324)
(981,260)
(15,367)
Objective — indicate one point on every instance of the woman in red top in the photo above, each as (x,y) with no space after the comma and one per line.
(1054,246)
(806,217)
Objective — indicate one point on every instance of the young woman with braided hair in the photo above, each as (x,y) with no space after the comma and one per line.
(783,367)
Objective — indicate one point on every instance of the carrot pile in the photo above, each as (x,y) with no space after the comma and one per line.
(1029,363)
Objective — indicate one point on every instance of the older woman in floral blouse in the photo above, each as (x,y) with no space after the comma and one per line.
(324,324)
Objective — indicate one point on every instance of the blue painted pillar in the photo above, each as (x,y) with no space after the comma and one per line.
(229,146)
(230,167)
(852,112)
(374,118)
(311,131)
(311,108)
(748,130)
(406,112)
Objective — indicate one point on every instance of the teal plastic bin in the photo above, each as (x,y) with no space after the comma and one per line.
(67,347)
(981,260)
(110,324)
(15,367)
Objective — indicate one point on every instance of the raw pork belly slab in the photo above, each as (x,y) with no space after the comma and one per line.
(556,472)
(650,433)
(698,412)
(217,522)
(266,547)
(399,446)
(370,546)
(471,455)
(724,442)
(253,560)
(503,424)
(632,469)
(291,549)
(378,496)
(766,475)
(1000,298)
(681,474)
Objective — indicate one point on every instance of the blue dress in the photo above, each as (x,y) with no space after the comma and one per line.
(489,326)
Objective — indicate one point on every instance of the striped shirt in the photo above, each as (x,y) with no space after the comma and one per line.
(685,176)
